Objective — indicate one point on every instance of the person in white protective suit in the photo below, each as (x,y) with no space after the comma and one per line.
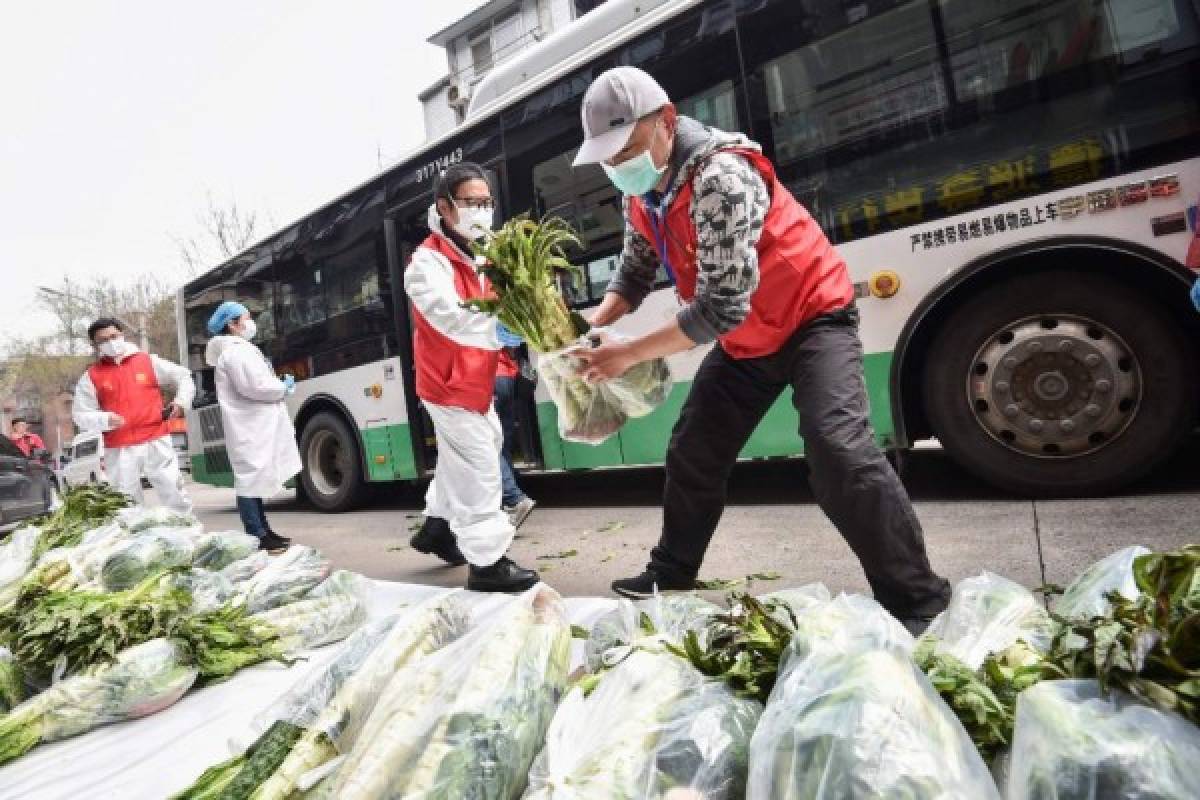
(120,394)
(259,437)
(455,353)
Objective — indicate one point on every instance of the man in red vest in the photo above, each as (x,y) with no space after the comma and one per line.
(25,441)
(757,277)
(121,395)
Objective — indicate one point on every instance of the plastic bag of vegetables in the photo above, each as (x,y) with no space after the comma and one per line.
(326,711)
(141,556)
(16,554)
(988,614)
(1085,597)
(285,579)
(143,680)
(315,621)
(12,681)
(851,716)
(140,518)
(1072,743)
(219,549)
(208,590)
(246,568)
(667,617)
(587,413)
(468,720)
(653,724)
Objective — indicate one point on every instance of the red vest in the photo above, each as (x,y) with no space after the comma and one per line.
(131,390)
(449,374)
(800,275)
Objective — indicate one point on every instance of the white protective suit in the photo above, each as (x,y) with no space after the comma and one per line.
(465,490)
(259,436)
(157,458)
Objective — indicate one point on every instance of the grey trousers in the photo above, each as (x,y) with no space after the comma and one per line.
(850,477)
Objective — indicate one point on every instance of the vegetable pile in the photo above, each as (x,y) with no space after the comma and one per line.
(521,261)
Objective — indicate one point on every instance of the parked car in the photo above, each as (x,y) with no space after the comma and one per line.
(26,485)
(85,460)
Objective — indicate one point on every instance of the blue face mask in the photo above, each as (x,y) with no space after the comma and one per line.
(637,175)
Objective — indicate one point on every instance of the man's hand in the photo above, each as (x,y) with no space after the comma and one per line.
(115,421)
(611,309)
(176,411)
(608,361)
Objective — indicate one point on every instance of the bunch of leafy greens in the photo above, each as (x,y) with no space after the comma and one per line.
(1149,646)
(83,508)
(521,259)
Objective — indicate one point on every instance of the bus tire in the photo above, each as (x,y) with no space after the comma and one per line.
(332,478)
(1060,384)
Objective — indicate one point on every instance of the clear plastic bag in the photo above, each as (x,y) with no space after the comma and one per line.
(140,518)
(797,600)
(285,579)
(1085,597)
(1072,743)
(852,716)
(209,590)
(246,568)
(988,614)
(653,724)
(219,549)
(592,412)
(467,720)
(316,621)
(16,554)
(343,581)
(143,680)
(138,557)
(12,681)
(631,623)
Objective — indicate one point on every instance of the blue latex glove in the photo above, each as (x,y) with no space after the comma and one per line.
(1196,295)
(507,337)
(289,384)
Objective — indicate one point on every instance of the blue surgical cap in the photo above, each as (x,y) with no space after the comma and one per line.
(226,313)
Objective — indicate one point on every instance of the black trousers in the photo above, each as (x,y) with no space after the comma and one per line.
(850,477)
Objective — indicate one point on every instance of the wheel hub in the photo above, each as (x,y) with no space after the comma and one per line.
(324,462)
(1055,386)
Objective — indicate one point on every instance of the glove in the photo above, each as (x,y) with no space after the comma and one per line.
(1196,295)
(289,384)
(507,337)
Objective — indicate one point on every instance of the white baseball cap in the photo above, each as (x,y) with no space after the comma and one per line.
(611,107)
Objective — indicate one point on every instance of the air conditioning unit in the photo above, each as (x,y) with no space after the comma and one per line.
(458,96)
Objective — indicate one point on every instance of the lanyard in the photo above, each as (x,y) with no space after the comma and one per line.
(657,213)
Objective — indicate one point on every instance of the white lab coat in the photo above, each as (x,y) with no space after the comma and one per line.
(157,458)
(259,437)
(465,490)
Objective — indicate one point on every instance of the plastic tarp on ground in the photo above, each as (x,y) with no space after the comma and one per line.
(158,755)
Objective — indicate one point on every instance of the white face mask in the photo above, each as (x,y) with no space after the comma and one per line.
(248,330)
(113,347)
(473,223)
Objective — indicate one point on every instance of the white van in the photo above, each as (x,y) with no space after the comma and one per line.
(85,460)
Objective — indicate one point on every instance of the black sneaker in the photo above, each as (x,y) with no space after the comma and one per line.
(503,576)
(273,544)
(435,538)
(915,625)
(280,537)
(644,585)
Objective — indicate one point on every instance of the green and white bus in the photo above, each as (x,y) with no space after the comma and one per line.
(1011,182)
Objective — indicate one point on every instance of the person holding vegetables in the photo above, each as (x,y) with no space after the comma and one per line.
(259,436)
(757,277)
(456,351)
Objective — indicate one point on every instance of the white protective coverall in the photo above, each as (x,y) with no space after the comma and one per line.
(259,436)
(465,490)
(157,458)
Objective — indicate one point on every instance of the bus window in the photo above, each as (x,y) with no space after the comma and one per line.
(302,301)
(715,107)
(353,280)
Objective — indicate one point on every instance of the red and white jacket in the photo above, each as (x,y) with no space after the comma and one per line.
(455,350)
(129,386)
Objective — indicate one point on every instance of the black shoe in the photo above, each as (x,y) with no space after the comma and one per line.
(435,538)
(915,625)
(503,576)
(645,585)
(272,544)
(281,538)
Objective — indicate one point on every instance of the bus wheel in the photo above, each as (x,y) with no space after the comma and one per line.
(1060,383)
(332,477)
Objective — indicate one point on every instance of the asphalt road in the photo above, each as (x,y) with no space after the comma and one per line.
(591,528)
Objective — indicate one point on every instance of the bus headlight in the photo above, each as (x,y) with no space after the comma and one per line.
(884,283)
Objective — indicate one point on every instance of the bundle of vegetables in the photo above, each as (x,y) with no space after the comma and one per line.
(988,614)
(660,618)
(285,579)
(141,680)
(136,558)
(520,261)
(219,549)
(246,568)
(208,590)
(468,720)
(322,716)
(1088,595)
(652,725)
(83,508)
(12,681)
(142,518)
(1075,743)
(851,716)
(16,559)
(1148,645)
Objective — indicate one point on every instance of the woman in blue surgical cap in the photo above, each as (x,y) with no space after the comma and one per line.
(259,437)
